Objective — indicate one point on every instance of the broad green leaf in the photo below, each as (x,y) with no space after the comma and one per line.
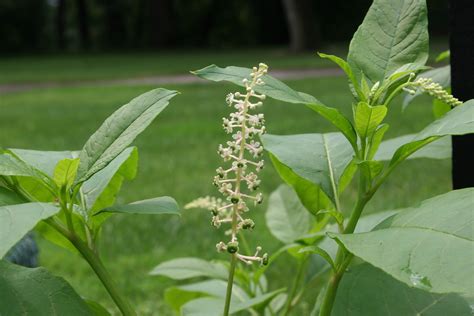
(439,149)
(100,190)
(440,75)
(12,166)
(368,118)
(318,158)
(26,291)
(187,268)
(8,197)
(379,294)
(179,295)
(310,194)
(44,161)
(393,33)
(429,246)
(159,205)
(458,121)
(210,306)
(347,69)
(65,172)
(120,130)
(278,90)
(286,217)
(17,220)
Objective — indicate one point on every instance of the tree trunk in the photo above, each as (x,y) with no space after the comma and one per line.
(461,44)
(302,25)
(61,24)
(162,23)
(83,24)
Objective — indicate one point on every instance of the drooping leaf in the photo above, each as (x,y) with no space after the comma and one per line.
(318,158)
(45,161)
(379,294)
(439,149)
(26,291)
(393,33)
(186,268)
(17,220)
(12,166)
(100,190)
(286,217)
(278,90)
(159,205)
(210,306)
(368,118)
(429,246)
(120,130)
(458,121)
(65,172)
(321,252)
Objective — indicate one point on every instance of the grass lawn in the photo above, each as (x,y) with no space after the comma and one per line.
(178,158)
(82,67)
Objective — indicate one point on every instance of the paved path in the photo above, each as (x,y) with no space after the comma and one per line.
(165,79)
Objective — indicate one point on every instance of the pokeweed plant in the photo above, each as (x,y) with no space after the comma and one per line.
(67,196)
(411,261)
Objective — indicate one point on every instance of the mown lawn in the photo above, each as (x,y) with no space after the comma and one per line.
(178,158)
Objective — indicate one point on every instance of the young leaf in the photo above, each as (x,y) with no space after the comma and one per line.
(119,130)
(160,205)
(429,246)
(187,268)
(26,291)
(65,172)
(17,220)
(376,140)
(368,118)
(318,158)
(8,197)
(439,149)
(379,294)
(393,33)
(278,90)
(286,217)
(371,168)
(319,251)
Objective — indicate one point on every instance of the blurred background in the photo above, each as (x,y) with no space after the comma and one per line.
(65,65)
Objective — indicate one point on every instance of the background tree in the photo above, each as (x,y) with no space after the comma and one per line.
(302,25)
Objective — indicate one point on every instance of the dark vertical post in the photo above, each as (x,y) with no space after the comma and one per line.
(461,43)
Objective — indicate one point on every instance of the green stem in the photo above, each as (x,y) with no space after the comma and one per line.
(96,265)
(230,283)
(294,287)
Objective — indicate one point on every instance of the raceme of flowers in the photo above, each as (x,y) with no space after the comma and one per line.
(435,90)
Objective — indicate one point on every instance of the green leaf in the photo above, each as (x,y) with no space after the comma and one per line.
(440,75)
(368,118)
(278,90)
(8,197)
(376,140)
(379,294)
(97,309)
(429,246)
(310,194)
(44,161)
(26,291)
(318,158)
(121,129)
(65,172)
(180,295)
(458,121)
(443,56)
(187,268)
(393,33)
(155,206)
(440,108)
(286,217)
(439,149)
(17,220)
(12,166)
(210,306)
(350,75)
(100,190)
(371,168)
(319,251)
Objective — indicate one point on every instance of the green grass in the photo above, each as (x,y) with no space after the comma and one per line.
(178,158)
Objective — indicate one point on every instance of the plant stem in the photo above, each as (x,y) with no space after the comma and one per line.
(294,286)
(96,265)
(230,283)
